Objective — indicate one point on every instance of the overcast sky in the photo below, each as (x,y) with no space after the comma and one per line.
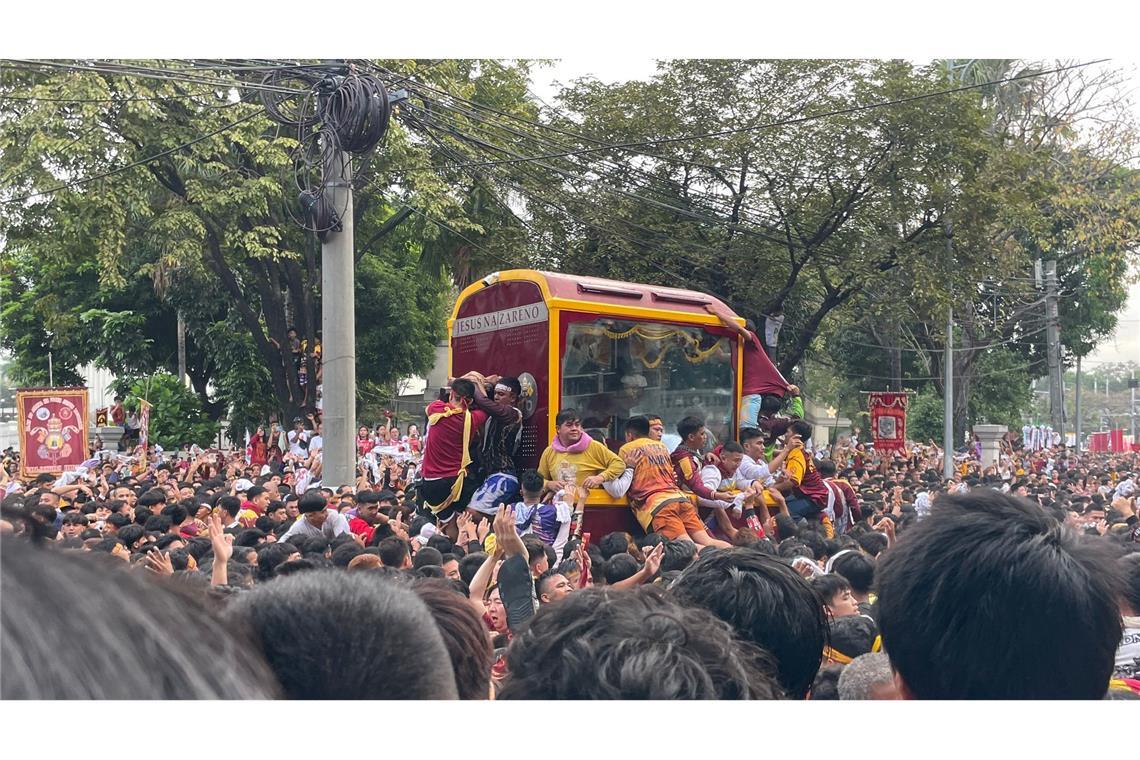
(1123,346)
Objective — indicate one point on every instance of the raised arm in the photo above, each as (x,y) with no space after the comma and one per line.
(718,310)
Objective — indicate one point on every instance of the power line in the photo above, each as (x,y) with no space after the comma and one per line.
(795,120)
(160,73)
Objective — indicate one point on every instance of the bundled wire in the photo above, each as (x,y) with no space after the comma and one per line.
(345,112)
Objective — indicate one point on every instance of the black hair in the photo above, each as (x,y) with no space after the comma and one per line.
(1130,569)
(152,498)
(154,523)
(992,573)
(312,501)
(250,537)
(118,520)
(635,644)
(469,566)
(464,636)
(154,642)
(768,603)
(531,482)
(770,403)
(426,556)
(620,567)
(566,415)
(873,542)
(166,540)
(826,684)
(231,505)
(689,425)
(440,543)
(613,544)
(535,548)
(345,554)
(393,551)
(463,388)
(852,635)
(732,447)
(802,428)
(827,586)
(107,545)
(749,433)
(130,535)
(272,556)
(388,642)
(638,425)
(679,554)
(826,468)
(177,513)
(512,383)
(857,569)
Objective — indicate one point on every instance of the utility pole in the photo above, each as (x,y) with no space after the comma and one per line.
(948,369)
(1078,404)
(1053,344)
(338,309)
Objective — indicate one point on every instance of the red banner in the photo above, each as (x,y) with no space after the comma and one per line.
(52,428)
(888,420)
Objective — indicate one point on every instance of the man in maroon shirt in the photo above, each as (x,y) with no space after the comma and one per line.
(761,378)
(445,488)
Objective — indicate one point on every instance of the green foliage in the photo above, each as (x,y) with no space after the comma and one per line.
(176,415)
(206,232)
(924,417)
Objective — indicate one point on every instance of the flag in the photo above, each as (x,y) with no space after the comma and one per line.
(52,431)
(888,420)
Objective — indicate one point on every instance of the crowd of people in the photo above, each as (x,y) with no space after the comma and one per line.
(759,568)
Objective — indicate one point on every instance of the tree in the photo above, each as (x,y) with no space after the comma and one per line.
(176,418)
(206,214)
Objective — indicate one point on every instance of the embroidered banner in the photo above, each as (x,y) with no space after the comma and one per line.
(888,420)
(52,429)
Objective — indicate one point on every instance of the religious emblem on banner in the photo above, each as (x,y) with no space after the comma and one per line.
(52,429)
(888,420)
(102,414)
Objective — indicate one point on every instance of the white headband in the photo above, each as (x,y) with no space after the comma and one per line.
(503,388)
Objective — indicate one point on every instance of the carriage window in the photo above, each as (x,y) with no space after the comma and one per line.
(616,369)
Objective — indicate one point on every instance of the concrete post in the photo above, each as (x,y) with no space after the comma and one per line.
(338,314)
(990,437)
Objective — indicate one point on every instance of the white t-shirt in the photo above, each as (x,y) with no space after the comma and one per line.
(295,440)
(316,443)
(1128,655)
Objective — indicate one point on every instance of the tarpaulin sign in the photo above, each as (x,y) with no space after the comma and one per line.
(52,426)
(888,420)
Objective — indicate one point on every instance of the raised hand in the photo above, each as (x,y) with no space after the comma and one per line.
(221,541)
(159,563)
(653,559)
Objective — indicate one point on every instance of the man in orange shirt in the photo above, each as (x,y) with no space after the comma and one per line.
(657,502)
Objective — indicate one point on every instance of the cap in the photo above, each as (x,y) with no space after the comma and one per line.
(634,381)
(241,484)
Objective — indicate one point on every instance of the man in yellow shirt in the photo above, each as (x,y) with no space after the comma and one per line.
(575,459)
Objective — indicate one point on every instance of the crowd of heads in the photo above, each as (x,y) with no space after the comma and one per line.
(1017,583)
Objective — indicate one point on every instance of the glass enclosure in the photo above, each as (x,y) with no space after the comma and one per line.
(614,369)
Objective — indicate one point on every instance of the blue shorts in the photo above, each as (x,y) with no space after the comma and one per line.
(750,410)
(498,488)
